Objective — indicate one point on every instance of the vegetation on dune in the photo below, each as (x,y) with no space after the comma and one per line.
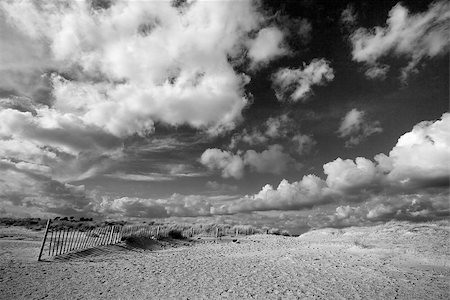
(173,230)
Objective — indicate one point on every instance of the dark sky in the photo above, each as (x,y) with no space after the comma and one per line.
(150,109)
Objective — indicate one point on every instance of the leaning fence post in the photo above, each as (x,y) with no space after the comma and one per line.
(43,240)
(110,235)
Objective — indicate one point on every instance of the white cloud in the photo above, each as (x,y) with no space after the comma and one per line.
(89,78)
(343,175)
(421,155)
(176,205)
(273,160)
(419,159)
(151,62)
(412,182)
(356,128)
(267,45)
(306,193)
(231,165)
(296,84)
(415,36)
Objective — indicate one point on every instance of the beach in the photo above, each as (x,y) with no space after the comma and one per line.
(397,260)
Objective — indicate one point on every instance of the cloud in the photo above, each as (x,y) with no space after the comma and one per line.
(377,72)
(348,175)
(274,128)
(356,128)
(420,156)
(140,177)
(304,30)
(272,160)
(255,137)
(176,205)
(296,84)
(31,188)
(231,165)
(414,36)
(410,183)
(305,143)
(418,161)
(303,194)
(267,45)
(217,186)
(349,17)
(278,126)
(131,64)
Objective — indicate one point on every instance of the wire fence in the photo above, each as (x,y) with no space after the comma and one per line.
(59,240)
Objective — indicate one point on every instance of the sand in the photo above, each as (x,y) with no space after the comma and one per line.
(392,261)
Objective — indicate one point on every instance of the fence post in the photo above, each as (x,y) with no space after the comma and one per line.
(157,232)
(43,240)
(50,245)
(111,235)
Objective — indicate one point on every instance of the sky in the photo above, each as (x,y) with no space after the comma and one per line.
(293,115)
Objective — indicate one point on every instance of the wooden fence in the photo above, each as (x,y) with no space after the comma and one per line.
(59,240)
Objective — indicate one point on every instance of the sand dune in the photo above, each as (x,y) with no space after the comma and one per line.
(392,261)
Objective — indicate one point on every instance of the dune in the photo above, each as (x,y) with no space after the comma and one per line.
(397,260)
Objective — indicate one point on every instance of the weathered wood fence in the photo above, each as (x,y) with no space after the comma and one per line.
(60,239)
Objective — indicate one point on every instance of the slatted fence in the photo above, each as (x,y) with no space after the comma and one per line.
(59,240)
(62,240)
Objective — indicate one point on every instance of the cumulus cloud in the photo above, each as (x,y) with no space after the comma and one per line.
(80,78)
(421,156)
(231,165)
(267,45)
(414,36)
(356,128)
(296,84)
(136,63)
(272,160)
(306,193)
(411,182)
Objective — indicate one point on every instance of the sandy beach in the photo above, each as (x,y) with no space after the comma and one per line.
(392,261)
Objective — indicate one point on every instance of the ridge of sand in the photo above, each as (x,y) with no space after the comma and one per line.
(397,260)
